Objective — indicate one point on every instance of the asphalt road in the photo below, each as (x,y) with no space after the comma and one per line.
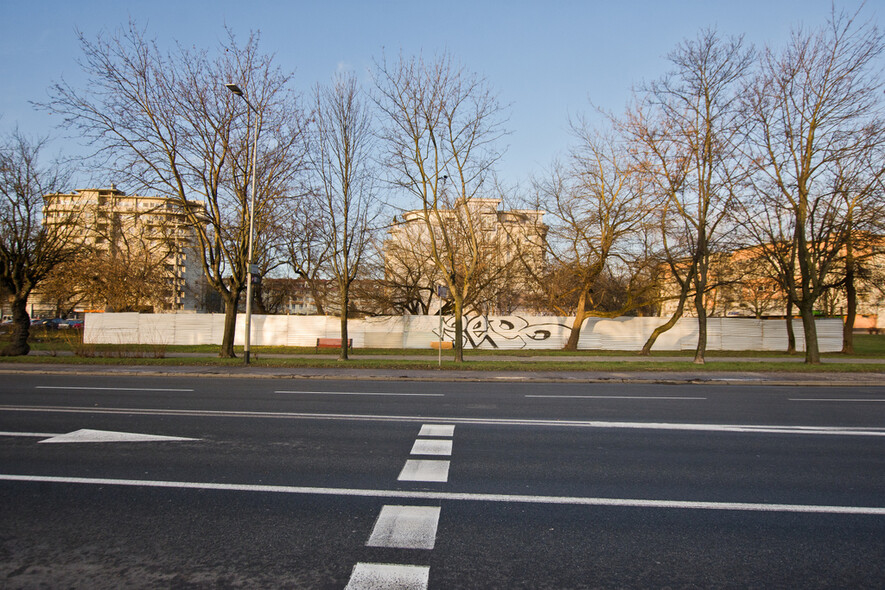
(287,483)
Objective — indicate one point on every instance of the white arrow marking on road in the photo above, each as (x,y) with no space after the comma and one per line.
(86,435)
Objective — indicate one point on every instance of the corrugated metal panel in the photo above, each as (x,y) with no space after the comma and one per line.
(829,335)
(501,332)
(156,329)
(269,330)
(193,329)
(618,333)
(420,330)
(386,332)
(734,334)
(304,330)
(112,328)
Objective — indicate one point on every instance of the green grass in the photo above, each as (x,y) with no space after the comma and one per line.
(52,343)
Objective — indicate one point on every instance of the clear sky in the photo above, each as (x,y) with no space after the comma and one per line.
(546,59)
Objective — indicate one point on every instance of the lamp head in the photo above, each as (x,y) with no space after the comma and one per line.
(234,88)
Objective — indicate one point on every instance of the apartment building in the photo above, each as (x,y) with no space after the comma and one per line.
(511,245)
(145,232)
(742,286)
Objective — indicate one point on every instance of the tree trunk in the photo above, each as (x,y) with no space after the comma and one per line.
(459,330)
(21,329)
(851,296)
(702,325)
(812,351)
(680,309)
(791,335)
(230,326)
(317,299)
(258,306)
(345,302)
(580,316)
(646,348)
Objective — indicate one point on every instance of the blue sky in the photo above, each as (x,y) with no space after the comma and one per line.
(545,59)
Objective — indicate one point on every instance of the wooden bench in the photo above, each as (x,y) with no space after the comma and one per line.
(332,343)
(445,345)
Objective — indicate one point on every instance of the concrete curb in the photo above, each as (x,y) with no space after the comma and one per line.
(589,377)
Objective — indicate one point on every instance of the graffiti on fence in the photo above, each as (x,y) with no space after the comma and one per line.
(511,332)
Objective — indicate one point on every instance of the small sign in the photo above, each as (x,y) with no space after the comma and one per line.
(442,291)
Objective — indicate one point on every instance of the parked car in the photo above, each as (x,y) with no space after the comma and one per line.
(76,324)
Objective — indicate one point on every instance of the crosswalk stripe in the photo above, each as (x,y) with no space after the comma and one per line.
(427,470)
(372,576)
(405,527)
(432,447)
(437,430)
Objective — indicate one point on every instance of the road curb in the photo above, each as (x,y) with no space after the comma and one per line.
(836,380)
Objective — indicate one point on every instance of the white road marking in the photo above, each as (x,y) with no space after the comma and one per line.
(375,576)
(365,393)
(405,527)
(429,496)
(86,435)
(732,428)
(437,430)
(441,448)
(108,388)
(808,399)
(30,434)
(631,397)
(429,470)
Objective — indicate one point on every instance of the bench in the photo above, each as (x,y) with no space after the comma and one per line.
(875,330)
(332,343)
(446,345)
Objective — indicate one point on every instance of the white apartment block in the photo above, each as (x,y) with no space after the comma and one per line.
(108,218)
(510,241)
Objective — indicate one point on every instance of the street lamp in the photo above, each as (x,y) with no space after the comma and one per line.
(248,337)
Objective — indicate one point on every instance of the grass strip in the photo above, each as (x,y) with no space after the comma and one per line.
(449,365)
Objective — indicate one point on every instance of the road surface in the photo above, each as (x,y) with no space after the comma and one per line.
(359,484)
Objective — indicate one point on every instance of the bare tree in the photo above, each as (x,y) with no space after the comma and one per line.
(858,186)
(815,105)
(346,203)
(61,288)
(409,275)
(29,249)
(599,209)
(307,251)
(684,129)
(166,123)
(441,126)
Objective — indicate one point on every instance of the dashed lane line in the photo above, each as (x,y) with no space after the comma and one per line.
(366,393)
(625,397)
(822,399)
(71,387)
(457,496)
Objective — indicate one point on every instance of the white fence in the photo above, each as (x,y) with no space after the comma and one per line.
(480,332)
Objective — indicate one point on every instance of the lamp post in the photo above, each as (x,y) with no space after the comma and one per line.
(248,336)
